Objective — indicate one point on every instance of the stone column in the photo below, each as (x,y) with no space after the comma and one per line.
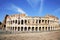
(23,28)
(54,27)
(14,28)
(41,28)
(38,28)
(27,28)
(20,28)
(47,28)
(44,21)
(30,28)
(27,21)
(44,28)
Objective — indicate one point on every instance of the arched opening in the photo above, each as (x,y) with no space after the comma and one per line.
(48,28)
(25,21)
(39,28)
(25,28)
(29,28)
(15,28)
(36,28)
(18,22)
(15,21)
(18,28)
(42,21)
(22,22)
(21,28)
(39,21)
(45,21)
(32,28)
(43,28)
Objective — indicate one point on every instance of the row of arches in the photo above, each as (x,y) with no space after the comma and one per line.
(32,28)
(27,21)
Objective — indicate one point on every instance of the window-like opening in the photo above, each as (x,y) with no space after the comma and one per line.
(42,20)
(43,28)
(39,28)
(25,21)
(48,28)
(36,21)
(32,28)
(15,21)
(28,28)
(18,28)
(36,28)
(18,22)
(11,22)
(21,28)
(25,28)
(45,21)
(21,21)
(48,21)
(39,21)
(15,28)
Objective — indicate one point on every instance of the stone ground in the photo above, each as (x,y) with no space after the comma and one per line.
(52,35)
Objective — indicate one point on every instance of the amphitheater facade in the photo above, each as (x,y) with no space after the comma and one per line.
(22,22)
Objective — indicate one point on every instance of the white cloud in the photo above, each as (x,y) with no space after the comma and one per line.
(41,6)
(15,8)
(18,9)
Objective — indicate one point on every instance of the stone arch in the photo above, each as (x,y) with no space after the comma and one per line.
(36,28)
(25,28)
(21,28)
(22,22)
(39,28)
(32,28)
(18,22)
(15,21)
(15,28)
(18,28)
(48,28)
(29,28)
(25,21)
(43,28)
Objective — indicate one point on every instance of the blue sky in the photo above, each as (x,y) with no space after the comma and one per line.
(30,7)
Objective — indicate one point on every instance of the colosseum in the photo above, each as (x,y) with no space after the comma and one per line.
(22,22)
